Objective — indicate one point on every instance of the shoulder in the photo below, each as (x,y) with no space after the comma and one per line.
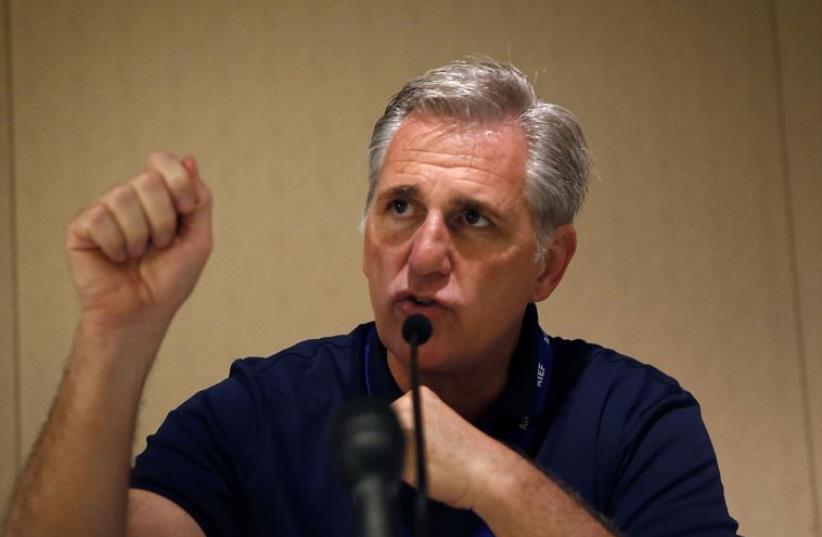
(311,353)
(617,402)
(588,367)
(252,427)
(309,373)
(656,468)
(296,382)
(329,362)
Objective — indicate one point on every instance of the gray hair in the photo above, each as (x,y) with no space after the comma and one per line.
(558,163)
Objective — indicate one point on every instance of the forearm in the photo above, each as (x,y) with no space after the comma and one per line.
(521,501)
(76,479)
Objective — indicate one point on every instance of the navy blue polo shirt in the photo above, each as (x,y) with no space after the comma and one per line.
(252,455)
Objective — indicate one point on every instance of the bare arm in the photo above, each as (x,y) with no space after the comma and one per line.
(470,470)
(152,515)
(135,256)
(524,502)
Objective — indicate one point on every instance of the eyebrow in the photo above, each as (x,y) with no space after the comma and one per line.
(403,191)
(462,202)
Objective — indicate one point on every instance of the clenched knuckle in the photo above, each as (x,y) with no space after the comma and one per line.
(156,158)
(149,181)
(120,195)
(178,180)
(97,215)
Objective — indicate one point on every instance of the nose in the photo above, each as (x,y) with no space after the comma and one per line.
(431,248)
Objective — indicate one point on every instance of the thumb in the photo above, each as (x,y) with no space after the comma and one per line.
(197,222)
(190,164)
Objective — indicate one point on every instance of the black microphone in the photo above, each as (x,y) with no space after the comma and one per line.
(370,449)
(416,330)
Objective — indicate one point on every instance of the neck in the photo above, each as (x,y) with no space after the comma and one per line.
(468,393)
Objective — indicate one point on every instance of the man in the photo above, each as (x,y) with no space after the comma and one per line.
(474,184)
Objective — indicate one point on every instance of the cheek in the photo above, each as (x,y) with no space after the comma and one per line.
(384,246)
(392,234)
(386,229)
(380,264)
(369,250)
(510,280)
(372,251)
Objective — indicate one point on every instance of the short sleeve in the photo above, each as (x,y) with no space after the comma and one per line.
(668,480)
(201,456)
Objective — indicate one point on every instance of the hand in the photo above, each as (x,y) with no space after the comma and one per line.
(468,469)
(460,458)
(137,252)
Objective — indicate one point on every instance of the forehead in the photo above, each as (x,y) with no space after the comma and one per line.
(489,155)
(457,143)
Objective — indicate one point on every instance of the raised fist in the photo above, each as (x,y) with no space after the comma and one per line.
(137,252)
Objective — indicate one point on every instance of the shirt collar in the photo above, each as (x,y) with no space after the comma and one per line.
(518,397)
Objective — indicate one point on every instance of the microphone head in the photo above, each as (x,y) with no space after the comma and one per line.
(416,329)
(369,442)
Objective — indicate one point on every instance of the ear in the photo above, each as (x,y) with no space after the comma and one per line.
(557,258)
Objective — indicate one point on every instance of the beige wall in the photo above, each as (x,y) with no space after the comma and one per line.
(800,44)
(700,244)
(9,359)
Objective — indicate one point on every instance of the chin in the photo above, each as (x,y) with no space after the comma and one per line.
(435,359)
(428,354)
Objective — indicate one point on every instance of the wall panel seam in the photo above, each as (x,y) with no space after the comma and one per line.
(15,280)
(793,266)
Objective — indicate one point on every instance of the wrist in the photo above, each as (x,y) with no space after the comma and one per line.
(108,345)
(138,331)
(502,481)
(101,320)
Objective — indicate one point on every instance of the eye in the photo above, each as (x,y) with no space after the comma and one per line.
(474,218)
(401,207)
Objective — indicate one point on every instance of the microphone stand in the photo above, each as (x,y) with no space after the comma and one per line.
(421,520)
(416,330)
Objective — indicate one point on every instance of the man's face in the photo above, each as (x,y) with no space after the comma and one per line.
(449,235)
